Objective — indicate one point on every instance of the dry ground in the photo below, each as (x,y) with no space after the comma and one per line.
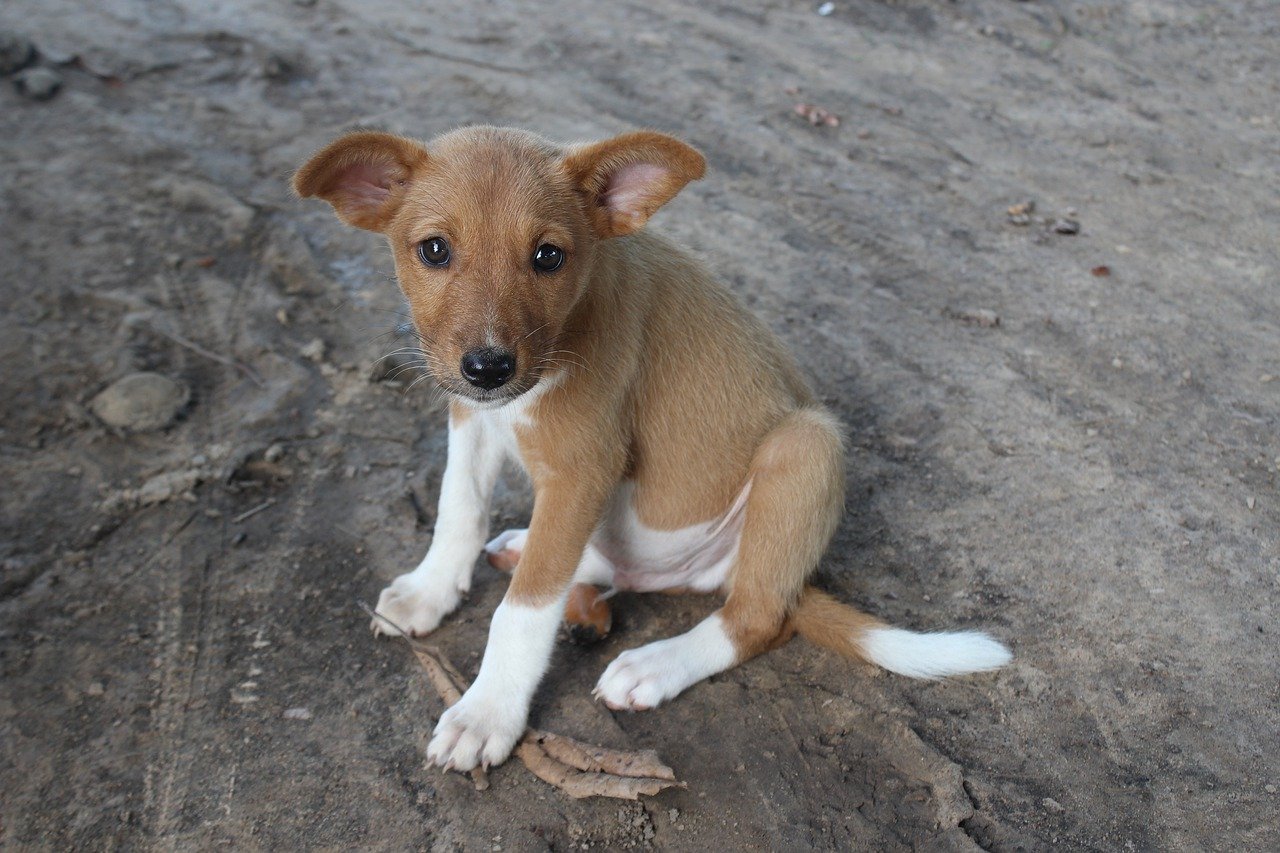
(1094,478)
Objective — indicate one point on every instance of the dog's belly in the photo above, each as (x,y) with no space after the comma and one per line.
(698,557)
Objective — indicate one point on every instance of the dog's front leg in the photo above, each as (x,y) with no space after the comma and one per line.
(485,724)
(418,600)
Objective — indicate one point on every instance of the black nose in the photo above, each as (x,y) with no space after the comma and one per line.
(488,367)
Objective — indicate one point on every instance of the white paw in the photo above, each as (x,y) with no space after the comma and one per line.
(641,679)
(503,551)
(478,730)
(416,604)
(507,540)
(646,677)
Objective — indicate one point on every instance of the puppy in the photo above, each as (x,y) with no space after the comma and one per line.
(669,437)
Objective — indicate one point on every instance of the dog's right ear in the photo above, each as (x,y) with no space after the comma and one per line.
(364,175)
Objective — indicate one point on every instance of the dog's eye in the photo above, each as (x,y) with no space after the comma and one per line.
(434,251)
(548,258)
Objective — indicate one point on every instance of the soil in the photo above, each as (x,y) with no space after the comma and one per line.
(1083,462)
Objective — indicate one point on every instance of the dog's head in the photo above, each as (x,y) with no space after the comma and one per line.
(494,234)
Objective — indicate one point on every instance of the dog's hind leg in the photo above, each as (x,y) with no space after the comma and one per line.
(796,499)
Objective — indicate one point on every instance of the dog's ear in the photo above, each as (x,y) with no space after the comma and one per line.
(364,175)
(627,178)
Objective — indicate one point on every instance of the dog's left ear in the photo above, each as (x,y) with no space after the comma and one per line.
(364,175)
(627,178)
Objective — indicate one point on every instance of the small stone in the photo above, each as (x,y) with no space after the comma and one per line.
(95,689)
(274,453)
(1250,502)
(313,350)
(140,402)
(1270,789)
(38,84)
(1063,225)
(1117,362)
(826,9)
(16,53)
(1265,378)
(278,67)
(297,714)
(1020,213)
(673,815)
(1053,805)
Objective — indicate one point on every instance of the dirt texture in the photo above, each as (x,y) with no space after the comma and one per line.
(1064,421)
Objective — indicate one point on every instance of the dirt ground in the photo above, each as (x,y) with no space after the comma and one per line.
(1093,478)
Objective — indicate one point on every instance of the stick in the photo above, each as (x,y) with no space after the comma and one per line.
(209,354)
(250,513)
(443,677)
(579,769)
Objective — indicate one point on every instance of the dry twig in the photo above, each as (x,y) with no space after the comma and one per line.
(579,769)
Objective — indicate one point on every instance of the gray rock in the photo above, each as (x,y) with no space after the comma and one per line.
(16,53)
(140,402)
(38,84)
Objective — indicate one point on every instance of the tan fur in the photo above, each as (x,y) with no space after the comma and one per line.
(666,380)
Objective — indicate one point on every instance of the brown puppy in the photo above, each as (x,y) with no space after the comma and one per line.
(669,438)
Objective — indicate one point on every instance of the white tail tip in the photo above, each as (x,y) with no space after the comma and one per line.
(933,655)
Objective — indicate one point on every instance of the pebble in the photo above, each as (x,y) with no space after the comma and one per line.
(16,53)
(95,689)
(297,714)
(1053,805)
(1063,225)
(313,350)
(1020,213)
(38,84)
(1270,789)
(140,402)
(274,453)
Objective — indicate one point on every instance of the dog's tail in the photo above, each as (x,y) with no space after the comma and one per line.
(828,623)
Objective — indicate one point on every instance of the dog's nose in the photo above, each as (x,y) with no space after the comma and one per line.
(488,367)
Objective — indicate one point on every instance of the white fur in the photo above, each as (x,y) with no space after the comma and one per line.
(646,677)
(644,559)
(626,554)
(933,655)
(418,600)
(593,568)
(483,727)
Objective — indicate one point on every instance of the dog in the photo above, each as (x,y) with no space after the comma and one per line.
(670,439)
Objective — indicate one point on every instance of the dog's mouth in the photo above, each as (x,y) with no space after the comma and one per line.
(487,398)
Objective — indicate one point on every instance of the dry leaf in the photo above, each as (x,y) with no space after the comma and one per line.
(579,769)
